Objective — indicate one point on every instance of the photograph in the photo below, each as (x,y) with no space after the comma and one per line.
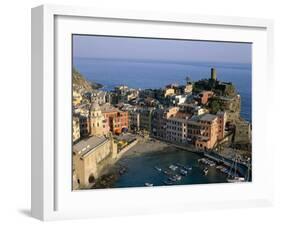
(152,112)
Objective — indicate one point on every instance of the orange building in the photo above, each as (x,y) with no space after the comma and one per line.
(221,120)
(205,131)
(118,120)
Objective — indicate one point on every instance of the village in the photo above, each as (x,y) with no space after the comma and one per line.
(200,116)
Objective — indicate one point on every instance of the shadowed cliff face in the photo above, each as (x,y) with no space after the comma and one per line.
(80,82)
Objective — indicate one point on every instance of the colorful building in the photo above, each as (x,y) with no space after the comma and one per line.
(206,130)
(118,120)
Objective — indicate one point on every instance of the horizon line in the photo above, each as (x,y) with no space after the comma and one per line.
(159,60)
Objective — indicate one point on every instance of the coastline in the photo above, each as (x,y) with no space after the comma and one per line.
(143,147)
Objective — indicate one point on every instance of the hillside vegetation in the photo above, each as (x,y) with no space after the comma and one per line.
(79,81)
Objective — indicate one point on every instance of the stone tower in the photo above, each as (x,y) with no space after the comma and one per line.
(98,123)
(213,74)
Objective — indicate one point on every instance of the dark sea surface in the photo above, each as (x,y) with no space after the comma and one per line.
(141,169)
(156,74)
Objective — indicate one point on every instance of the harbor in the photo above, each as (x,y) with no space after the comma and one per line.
(154,163)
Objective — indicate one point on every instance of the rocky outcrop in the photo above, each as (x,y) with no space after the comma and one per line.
(79,82)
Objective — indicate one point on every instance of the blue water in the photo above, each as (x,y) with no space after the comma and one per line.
(157,74)
(141,169)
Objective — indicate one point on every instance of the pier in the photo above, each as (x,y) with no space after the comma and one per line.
(242,169)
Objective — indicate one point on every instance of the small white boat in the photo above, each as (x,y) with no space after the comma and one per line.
(158,169)
(173,167)
(148,184)
(177,177)
(206,171)
(236,180)
(183,172)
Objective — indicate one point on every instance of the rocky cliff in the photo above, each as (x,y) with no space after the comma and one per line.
(79,82)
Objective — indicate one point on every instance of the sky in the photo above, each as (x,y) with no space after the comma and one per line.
(110,47)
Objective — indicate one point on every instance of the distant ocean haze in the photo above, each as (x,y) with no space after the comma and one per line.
(157,74)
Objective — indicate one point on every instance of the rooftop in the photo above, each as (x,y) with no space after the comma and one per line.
(88,145)
(177,119)
(208,117)
(109,108)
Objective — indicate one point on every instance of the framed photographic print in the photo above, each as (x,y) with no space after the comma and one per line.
(137,112)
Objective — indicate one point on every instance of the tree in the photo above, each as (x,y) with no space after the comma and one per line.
(215,106)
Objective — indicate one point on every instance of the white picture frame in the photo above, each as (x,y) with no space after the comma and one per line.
(51,197)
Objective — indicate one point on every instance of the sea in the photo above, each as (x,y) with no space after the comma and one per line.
(142,169)
(156,74)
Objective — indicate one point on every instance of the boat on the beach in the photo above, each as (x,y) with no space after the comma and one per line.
(148,184)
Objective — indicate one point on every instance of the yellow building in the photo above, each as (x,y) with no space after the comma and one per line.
(90,158)
(77,98)
(171,112)
(188,88)
(75,129)
(169,92)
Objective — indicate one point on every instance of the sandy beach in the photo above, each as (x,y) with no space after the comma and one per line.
(115,171)
(145,146)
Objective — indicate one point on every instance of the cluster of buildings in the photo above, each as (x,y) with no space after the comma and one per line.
(175,113)
(181,114)
(180,125)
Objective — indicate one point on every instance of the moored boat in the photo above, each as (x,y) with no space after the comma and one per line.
(173,167)
(177,177)
(168,182)
(173,179)
(236,179)
(183,172)
(158,169)
(206,171)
